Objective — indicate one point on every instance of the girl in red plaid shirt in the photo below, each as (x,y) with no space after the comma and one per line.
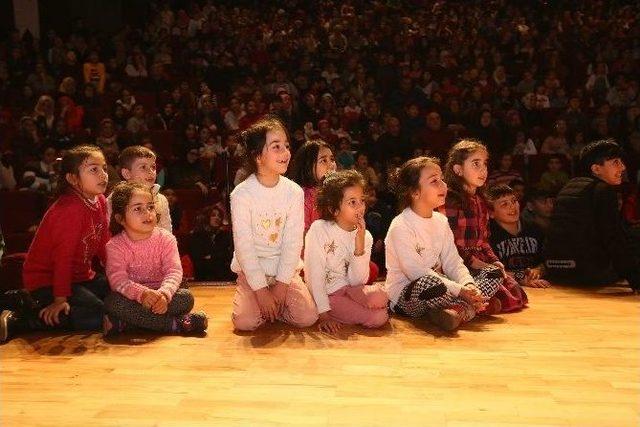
(466,174)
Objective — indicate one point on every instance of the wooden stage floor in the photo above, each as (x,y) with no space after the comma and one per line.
(572,358)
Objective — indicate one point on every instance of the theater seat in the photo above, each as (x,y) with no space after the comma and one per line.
(20,210)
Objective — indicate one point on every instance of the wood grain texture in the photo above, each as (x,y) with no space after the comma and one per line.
(572,358)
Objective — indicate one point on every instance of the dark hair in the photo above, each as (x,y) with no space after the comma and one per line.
(120,198)
(516,181)
(406,179)
(535,192)
(457,156)
(303,169)
(332,190)
(556,156)
(71,162)
(597,152)
(255,137)
(497,191)
(131,154)
(201,221)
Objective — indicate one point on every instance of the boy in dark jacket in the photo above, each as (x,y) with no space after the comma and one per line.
(586,241)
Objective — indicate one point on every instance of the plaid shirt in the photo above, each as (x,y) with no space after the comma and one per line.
(470,228)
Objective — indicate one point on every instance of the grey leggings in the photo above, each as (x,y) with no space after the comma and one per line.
(134,314)
(430,292)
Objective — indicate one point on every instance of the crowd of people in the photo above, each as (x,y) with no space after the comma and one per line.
(376,83)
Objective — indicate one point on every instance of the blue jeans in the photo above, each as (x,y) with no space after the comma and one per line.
(86,302)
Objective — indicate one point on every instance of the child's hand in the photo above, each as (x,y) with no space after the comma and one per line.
(539,283)
(328,324)
(501,267)
(267,304)
(279,293)
(533,280)
(471,294)
(161,305)
(51,313)
(150,297)
(361,228)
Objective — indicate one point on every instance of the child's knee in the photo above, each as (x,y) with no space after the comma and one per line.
(377,299)
(377,318)
(246,321)
(306,318)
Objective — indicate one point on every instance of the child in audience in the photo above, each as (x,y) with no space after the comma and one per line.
(505,172)
(517,244)
(311,163)
(267,215)
(468,214)
(336,257)
(66,292)
(425,274)
(144,270)
(554,178)
(210,245)
(586,241)
(138,164)
(539,208)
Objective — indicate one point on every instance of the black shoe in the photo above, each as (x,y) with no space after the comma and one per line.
(10,325)
(448,319)
(19,300)
(193,323)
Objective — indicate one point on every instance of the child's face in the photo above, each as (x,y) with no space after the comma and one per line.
(325,163)
(542,207)
(473,170)
(92,178)
(140,214)
(505,162)
(554,165)
(506,209)
(215,219)
(352,206)
(49,155)
(362,161)
(433,190)
(143,170)
(276,153)
(610,171)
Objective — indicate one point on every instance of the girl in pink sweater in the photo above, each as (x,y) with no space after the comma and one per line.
(144,271)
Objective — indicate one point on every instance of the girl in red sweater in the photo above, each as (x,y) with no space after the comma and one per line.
(65,292)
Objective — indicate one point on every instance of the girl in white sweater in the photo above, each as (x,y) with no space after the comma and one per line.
(267,214)
(425,273)
(337,251)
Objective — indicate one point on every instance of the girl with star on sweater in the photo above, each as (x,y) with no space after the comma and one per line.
(337,251)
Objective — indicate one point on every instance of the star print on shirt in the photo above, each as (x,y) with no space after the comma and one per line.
(419,249)
(331,247)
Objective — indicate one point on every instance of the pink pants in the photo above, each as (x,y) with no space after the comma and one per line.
(360,305)
(299,309)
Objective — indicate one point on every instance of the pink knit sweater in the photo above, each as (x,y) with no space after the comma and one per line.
(134,266)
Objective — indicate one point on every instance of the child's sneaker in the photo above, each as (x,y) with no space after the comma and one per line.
(193,323)
(111,325)
(494,306)
(11,323)
(18,300)
(448,319)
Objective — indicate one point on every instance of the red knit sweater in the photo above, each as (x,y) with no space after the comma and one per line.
(72,232)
